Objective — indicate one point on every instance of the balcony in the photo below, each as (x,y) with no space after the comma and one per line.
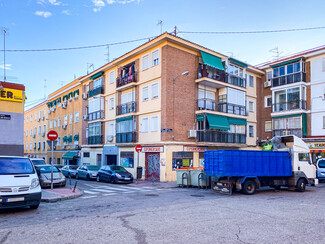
(96,115)
(236,80)
(95,140)
(212,105)
(287,106)
(126,108)
(127,137)
(220,137)
(96,91)
(286,132)
(126,79)
(289,79)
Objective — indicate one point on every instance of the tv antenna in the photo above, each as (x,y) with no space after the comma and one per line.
(160,22)
(45,86)
(90,65)
(276,52)
(4,31)
(107,54)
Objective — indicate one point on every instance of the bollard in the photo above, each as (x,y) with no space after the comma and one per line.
(75,185)
(153,179)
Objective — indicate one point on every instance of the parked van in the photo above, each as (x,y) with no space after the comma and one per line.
(320,165)
(19,183)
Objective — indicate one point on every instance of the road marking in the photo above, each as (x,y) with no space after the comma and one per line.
(103,190)
(109,194)
(88,197)
(113,188)
(91,192)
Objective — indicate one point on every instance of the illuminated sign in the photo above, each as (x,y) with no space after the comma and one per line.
(11,95)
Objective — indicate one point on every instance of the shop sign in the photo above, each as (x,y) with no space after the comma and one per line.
(11,95)
(5,116)
(153,149)
(320,145)
(194,149)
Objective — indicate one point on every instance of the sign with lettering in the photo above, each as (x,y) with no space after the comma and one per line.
(194,149)
(5,116)
(153,149)
(11,95)
(317,145)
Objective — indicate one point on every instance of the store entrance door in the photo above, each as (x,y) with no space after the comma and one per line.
(153,166)
(111,159)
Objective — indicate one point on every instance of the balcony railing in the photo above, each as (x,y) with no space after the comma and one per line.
(286,132)
(127,137)
(96,115)
(210,104)
(286,106)
(126,79)
(236,80)
(126,108)
(95,140)
(220,137)
(96,91)
(289,79)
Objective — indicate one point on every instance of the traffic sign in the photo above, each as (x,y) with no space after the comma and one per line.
(138,148)
(50,144)
(52,135)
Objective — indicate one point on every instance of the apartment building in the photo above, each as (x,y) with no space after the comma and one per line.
(175,98)
(294,98)
(64,116)
(35,130)
(12,100)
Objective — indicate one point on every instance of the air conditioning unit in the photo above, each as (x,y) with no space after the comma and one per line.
(49,111)
(85,117)
(64,127)
(192,134)
(267,83)
(64,105)
(109,138)
(84,96)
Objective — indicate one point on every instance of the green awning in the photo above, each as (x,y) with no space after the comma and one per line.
(218,122)
(76,137)
(70,155)
(199,117)
(286,116)
(124,119)
(65,138)
(70,139)
(212,60)
(235,121)
(234,61)
(285,63)
(96,75)
(58,100)
(76,92)
(70,95)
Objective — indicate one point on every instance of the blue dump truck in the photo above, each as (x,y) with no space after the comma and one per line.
(247,170)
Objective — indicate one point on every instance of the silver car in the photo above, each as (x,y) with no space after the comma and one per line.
(87,172)
(44,173)
(69,170)
(320,165)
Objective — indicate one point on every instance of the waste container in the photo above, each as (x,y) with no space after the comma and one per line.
(194,175)
(187,177)
(139,173)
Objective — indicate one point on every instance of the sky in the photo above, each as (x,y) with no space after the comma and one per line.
(44,24)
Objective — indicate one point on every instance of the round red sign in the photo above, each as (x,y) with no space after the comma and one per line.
(52,135)
(138,148)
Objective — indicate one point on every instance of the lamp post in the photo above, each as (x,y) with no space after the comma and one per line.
(174,80)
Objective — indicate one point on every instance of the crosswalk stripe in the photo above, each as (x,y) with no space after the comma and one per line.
(112,188)
(86,197)
(103,190)
(91,192)
(109,194)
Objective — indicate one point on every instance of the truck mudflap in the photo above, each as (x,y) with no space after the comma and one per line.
(222,187)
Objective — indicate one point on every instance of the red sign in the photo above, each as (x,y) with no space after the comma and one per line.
(138,148)
(153,149)
(52,135)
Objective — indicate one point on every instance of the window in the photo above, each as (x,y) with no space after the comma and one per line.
(286,70)
(35,116)
(44,128)
(44,112)
(98,83)
(87,132)
(111,129)
(39,129)
(268,126)
(94,129)
(234,70)
(251,106)
(31,118)
(35,130)
(31,131)
(54,123)
(59,122)
(27,119)
(251,130)
(269,75)
(251,80)
(26,132)
(76,117)
(34,145)
(71,119)
(127,159)
(145,93)
(111,76)
(44,146)
(323,122)
(51,124)
(304,157)
(268,101)
(144,124)
(30,146)
(235,96)
(26,147)
(155,57)
(125,126)
(182,159)
(40,114)
(145,62)
(86,155)
(154,123)
(154,90)
(111,103)
(65,119)
(59,141)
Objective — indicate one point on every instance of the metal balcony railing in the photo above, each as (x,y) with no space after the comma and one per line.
(127,137)
(96,91)
(96,115)
(286,132)
(126,108)
(289,79)
(220,137)
(210,104)
(95,140)
(126,79)
(287,106)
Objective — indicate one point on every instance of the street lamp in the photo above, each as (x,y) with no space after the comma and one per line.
(174,80)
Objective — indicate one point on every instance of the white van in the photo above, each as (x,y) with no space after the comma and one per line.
(19,183)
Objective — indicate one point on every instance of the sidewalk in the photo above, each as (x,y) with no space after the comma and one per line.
(59,194)
(155,184)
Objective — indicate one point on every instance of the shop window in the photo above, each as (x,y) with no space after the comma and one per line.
(127,159)
(201,159)
(182,159)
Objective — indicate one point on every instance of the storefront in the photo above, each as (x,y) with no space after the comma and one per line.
(317,149)
(110,155)
(71,158)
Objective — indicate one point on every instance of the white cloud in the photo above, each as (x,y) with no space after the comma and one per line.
(110,1)
(44,14)
(98,5)
(8,66)
(54,2)
(41,2)
(66,12)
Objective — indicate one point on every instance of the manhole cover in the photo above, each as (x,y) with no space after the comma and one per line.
(197,196)
(151,195)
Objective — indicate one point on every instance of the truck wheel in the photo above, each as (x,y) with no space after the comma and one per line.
(301,185)
(249,187)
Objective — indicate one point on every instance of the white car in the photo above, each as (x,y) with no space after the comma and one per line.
(19,183)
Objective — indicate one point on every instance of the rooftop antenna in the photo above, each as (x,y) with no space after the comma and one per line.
(276,52)
(89,65)
(74,77)
(160,22)
(107,54)
(4,54)
(231,54)
(45,88)
(175,30)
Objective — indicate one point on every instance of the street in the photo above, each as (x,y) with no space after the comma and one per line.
(171,215)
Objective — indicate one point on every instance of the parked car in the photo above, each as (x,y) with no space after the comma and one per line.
(87,172)
(37,161)
(19,183)
(320,166)
(59,166)
(69,170)
(114,174)
(44,173)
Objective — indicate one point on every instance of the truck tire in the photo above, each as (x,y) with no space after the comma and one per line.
(249,187)
(301,185)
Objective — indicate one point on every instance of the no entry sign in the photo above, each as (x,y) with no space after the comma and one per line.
(138,148)
(52,135)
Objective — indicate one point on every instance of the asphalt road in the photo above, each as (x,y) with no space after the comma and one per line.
(172,215)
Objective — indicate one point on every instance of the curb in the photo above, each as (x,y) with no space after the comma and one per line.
(56,199)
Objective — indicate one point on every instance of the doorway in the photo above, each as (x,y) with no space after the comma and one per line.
(111,159)
(153,166)
(99,160)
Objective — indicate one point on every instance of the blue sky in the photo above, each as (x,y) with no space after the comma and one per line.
(37,24)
